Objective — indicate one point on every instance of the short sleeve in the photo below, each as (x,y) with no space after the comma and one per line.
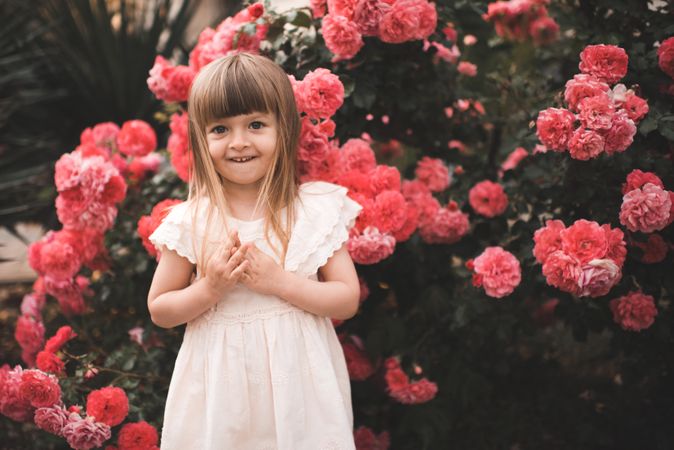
(175,232)
(325,215)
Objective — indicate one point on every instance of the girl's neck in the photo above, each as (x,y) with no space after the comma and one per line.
(241,202)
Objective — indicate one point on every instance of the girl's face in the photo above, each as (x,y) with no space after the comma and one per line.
(242,147)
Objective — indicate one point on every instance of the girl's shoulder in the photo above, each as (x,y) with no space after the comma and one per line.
(325,214)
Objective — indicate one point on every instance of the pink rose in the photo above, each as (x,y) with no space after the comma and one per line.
(621,134)
(51,419)
(548,239)
(343,8)
(414,189)
(433,173)
(636,179)
(320,94)
(136,138)
(85,434)
(415,393)
(585,144)
(29,333)
(606,62)
(389,211)
(12,403)
(383,178)
(488,198)
(410,225)
(39,388)
(583,86)
(596,113)
(554,128)
(170,83)
(635,106)
(371,246)
(358,155)
(634,311)
(367,15)
(598,277)
(314,144)
(562,271)
(446,226)
(341,37)
(646,209)
(498,271)
(584,240)
(408,20)
(666,56)
(103,135)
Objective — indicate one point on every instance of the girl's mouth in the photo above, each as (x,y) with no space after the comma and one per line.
(243,159)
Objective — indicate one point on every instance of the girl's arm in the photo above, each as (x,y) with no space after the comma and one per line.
(172,301)
(336,297)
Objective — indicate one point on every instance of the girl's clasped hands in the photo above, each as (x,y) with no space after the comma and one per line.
(235,262)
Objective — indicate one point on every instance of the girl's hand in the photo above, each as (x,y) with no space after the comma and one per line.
(262,274)
(226,265)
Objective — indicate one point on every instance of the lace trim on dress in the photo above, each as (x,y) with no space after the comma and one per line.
(174,233)
(323,226)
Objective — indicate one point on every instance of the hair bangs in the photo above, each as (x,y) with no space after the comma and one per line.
(231,91)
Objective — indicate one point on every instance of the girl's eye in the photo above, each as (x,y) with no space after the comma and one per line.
(219,129)
(256,125)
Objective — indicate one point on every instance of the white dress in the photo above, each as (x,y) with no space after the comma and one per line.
(255,372)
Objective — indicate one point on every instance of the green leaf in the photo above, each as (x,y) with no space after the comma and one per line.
(666,127)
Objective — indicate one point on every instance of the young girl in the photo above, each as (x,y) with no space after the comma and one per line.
(260,366)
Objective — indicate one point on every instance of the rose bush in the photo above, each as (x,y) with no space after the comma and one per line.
(525,158)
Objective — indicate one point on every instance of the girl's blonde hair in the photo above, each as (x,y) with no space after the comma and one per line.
(231,86)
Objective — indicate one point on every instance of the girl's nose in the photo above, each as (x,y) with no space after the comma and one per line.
(238,139)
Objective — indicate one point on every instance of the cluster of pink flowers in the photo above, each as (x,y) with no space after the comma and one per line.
(488,199)
(387,216)
(646,206)
(147,224)
(598,119)
(357,362)
(584,259)
(522,20)
(392,21)
(234,34)
(91,181)
(497,270)
(634,311)
(366,439)
(402,390)
(33,395)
